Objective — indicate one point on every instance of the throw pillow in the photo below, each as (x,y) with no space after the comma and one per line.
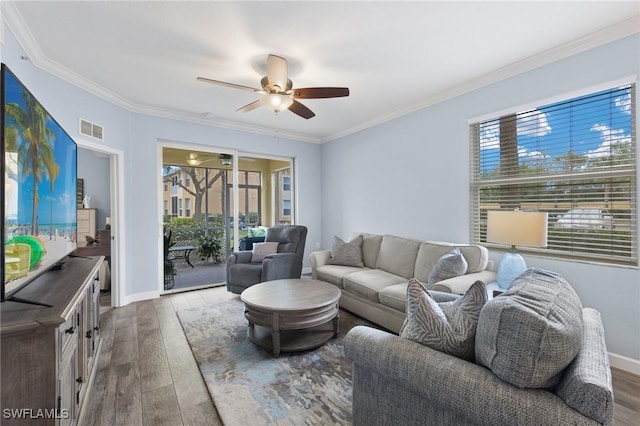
(530,334)
(347,254)
(260,250)
(449,327)
(452,264)
(260,231)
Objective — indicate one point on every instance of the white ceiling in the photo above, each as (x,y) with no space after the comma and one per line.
(394,57)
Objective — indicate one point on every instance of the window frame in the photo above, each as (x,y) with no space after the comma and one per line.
(479,183)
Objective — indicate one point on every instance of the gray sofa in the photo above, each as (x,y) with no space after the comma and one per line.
(397,381)
(377,290)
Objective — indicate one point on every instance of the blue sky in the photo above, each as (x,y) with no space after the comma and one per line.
(591,127)
(63,198)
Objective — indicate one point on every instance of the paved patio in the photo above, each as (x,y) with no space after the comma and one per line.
(200,275)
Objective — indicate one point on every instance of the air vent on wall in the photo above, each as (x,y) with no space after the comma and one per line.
(93,130)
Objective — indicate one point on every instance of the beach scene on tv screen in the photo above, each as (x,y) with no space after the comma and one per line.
(40,185)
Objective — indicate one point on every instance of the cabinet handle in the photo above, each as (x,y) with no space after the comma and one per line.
(89,334)
(70,330)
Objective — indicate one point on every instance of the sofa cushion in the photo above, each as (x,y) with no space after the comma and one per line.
(335,273)
(370,248)
(452,264)
(398,255)
(347,253)
(449,327)
(528,335)
(586,384)
(260,250)
(394,296)
(369,282)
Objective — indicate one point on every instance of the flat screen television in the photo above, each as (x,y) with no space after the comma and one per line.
(39,224)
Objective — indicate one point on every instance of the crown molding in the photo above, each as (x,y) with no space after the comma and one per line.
(590,41)
(26,40)
(225,124)
(1,27)
(28,43)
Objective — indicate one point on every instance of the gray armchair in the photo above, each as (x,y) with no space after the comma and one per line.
(286,263)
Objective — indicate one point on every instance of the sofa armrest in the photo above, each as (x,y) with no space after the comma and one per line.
(459,285)
(397,381)
(318,259)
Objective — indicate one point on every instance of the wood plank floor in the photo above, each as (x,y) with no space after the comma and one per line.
(146,373)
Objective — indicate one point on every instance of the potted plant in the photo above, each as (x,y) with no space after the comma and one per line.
(211,246)
(168,260)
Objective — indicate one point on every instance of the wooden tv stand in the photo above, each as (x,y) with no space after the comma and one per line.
(49,353)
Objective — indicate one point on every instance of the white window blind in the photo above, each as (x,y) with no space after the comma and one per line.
(575,159)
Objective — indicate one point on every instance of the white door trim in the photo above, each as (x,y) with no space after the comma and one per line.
(116,176)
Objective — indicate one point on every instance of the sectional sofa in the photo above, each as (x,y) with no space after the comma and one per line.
(377,290)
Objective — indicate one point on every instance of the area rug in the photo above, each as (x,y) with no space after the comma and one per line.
(249,386)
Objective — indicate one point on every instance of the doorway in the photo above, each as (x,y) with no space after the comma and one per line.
(101,174)
(215,202)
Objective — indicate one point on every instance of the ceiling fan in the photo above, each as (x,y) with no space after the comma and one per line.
(195,159)
(277,92)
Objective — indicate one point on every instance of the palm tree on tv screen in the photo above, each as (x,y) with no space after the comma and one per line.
(10,143)
(35,153)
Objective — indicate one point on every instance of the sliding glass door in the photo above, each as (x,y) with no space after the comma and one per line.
(216,202)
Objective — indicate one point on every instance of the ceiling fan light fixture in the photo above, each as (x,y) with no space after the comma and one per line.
(277,102)
(226,160)
(193,160)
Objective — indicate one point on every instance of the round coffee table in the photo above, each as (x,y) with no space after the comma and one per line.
(292,314)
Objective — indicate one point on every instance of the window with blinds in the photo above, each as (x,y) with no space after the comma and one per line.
(576,160)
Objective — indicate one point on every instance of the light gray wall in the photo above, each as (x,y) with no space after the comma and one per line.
(410,177)
(93,169)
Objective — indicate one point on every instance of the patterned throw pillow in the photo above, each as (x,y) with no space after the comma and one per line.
(448,327)
(260,250)
(452,264)
(347,254)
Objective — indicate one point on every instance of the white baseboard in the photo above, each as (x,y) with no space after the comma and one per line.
(306,270)
(624,363)
(137,297)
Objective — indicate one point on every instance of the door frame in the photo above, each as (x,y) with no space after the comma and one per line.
(116,179)
(211,149)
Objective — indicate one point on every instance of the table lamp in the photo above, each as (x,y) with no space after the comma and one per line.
(516,228)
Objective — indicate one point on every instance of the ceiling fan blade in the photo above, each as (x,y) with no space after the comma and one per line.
(250,107)
(304,112)
(232,85)
(277,72)
(321,92)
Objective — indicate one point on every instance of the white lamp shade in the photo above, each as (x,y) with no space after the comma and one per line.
(277,102)
(517,228)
